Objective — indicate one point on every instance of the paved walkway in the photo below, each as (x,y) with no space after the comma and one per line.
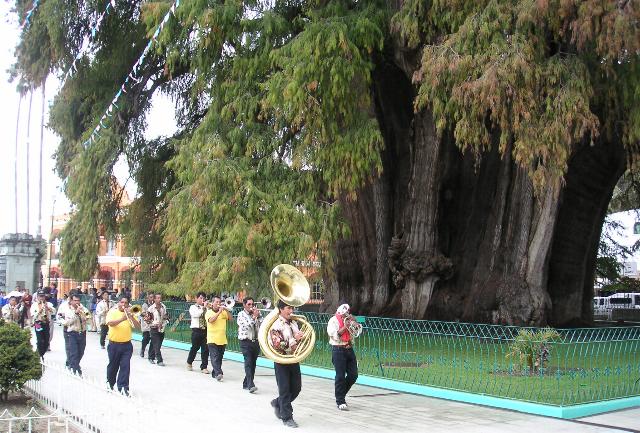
(203,404)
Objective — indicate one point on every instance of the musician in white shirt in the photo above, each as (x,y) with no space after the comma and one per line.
(42,313)
(11,312)
(160,318)
(102,309)
(199,334)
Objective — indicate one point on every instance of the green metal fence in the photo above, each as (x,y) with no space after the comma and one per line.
(578,366)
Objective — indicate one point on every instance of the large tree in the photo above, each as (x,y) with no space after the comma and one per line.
(444,159)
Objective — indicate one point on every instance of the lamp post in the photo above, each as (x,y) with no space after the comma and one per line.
(51,242)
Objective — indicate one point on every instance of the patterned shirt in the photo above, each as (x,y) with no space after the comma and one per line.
(248,326)
(75,320)
(160,317)
(282,332)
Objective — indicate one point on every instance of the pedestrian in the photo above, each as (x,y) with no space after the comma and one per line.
(249,321)
(198,333)
(75,320)
(121,323)
(217,318)
(342,355)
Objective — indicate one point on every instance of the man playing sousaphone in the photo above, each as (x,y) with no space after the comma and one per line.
(285,337)
(342,355)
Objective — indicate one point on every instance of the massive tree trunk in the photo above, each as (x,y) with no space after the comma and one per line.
(451,236)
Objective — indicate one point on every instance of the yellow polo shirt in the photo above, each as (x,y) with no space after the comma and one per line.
(121,333)
(217,331)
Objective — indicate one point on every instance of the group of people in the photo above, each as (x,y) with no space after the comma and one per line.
(208,336)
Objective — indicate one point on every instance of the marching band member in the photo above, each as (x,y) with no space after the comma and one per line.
(248,324)
(158,323)
(198,334)
(102,309)
(42,313)
(146,329)
(217,318)
(120,322)
(286,335)
(12,312)
(76,317)
(61,314)
(343,357)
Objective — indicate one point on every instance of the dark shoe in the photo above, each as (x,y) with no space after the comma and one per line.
(253,389)
(141,354)
(219,378)
(160,364)
(276,409)
(290,423)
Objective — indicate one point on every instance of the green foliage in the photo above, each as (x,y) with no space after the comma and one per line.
(531,348)
(18,361)
(277,121)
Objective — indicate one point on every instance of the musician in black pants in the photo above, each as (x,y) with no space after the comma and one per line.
(248,325)
(199,334)
(146,329)
(286,335)
(42,312)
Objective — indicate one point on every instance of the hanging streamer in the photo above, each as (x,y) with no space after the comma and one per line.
(94,30)
(30,12)
(104,119)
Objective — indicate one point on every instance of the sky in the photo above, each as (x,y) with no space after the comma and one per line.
(160,122)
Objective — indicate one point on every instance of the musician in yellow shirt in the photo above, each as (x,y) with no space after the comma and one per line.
(120,322)
(217,318)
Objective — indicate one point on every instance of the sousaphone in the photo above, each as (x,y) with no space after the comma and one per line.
(292,287)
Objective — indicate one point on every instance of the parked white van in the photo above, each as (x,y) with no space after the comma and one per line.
(624,300)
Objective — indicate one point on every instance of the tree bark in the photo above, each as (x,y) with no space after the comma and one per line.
(450,236)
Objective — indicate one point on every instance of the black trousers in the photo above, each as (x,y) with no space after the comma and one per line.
(289,385)
(156,344)
(42,337)
(104,329)
(119,368)
(344,361)
(146,339)
(250,351)
(77,342)
(199,342)
(216,353)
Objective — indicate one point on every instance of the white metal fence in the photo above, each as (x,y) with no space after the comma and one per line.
(33,421)
(89,403)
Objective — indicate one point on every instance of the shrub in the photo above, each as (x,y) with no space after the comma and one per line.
(18,361)
(531,349)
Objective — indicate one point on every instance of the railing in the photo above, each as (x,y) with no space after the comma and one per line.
(33,421)
(579,366)
(89,404)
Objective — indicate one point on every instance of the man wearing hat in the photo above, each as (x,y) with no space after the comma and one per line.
(42,312)
(342,355)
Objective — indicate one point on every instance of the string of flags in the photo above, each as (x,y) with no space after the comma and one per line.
(131,77)
(94,30)
(30,12)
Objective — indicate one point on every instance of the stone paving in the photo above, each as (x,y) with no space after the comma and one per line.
(198,402)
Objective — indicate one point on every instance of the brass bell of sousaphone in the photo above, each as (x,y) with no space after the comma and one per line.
(292,287)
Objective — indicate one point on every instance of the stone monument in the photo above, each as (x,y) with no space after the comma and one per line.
(20,257)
